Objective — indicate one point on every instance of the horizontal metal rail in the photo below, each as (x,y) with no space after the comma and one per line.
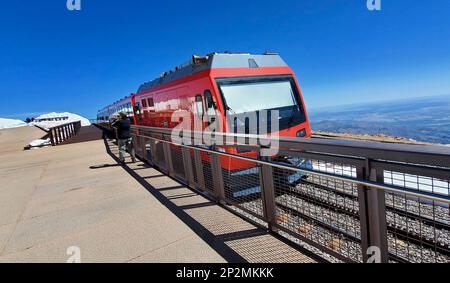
(387,188)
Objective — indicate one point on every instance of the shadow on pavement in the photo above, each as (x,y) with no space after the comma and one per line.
(212,240)
(104,166)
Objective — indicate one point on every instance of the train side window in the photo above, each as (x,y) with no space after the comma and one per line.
(210,104)
(137,110)
(210,107)
(151,102)
(144,103)
(199,105)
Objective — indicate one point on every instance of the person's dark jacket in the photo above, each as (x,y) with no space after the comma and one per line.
(123,129)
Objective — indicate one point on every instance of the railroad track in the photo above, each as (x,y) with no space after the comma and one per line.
(412,236)
(424,212)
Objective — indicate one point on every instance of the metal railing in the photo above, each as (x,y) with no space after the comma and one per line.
(346,201)
(61,133)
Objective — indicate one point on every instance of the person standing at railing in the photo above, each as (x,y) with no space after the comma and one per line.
(124,139)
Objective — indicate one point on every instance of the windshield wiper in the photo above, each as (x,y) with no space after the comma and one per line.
(228,108)
(291,117)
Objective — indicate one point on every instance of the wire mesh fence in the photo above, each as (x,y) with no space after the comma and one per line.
(418,228)
(323,210)
(177,161)
(205,160)
(243,187)
(159,158)
(323,203)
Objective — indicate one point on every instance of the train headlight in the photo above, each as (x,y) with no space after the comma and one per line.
(302,133)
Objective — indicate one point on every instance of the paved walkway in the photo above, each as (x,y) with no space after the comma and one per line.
(14,140)
(76,195)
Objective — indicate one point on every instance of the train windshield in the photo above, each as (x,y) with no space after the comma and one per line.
(253,95)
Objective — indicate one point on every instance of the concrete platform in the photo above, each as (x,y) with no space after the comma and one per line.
(13,140)
(76,195)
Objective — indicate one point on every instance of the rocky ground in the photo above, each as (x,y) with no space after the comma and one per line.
(377,138)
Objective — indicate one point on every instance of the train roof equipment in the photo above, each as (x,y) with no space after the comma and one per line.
(215,60)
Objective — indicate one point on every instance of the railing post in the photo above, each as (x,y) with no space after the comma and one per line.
(372,208)
(153,152)
(187,163)
(52,137)
(140,150)
(63,128)
(59,135)
(143,148)
(364,222)
(217,176)
(168,157)
(55,136)
(268,194)
(199,169)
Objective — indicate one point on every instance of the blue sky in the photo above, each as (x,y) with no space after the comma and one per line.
(52,59)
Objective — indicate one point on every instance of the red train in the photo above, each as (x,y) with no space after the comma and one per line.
(220,85)
(225,84)
(108,114)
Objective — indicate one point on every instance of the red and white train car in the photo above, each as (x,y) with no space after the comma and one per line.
(110,112)
(223,84)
